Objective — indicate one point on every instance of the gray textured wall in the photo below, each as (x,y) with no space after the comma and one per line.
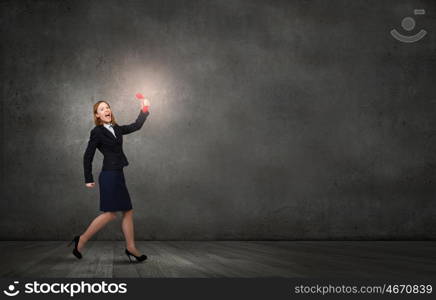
(269,119)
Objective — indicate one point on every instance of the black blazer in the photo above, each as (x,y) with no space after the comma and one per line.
(111,147)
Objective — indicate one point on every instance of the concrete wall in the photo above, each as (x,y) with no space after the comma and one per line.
(269,119)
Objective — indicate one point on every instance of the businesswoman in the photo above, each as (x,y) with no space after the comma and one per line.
(107,137)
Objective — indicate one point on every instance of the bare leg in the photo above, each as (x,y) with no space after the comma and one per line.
(127,225)
(97,224)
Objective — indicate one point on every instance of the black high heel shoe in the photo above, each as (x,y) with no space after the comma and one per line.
(138,258)
(76,242)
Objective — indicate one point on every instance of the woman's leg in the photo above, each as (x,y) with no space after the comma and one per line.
(127,225)
(97,224)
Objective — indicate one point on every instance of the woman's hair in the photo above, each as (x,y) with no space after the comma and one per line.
(97,121)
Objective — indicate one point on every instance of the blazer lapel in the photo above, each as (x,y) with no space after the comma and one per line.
(109,134)
(117,133)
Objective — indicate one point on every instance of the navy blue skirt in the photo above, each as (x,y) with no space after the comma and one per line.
(114,195)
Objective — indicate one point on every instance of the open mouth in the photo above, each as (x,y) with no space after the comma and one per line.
(107,115)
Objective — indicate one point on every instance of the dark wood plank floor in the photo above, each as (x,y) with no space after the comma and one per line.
(309,259)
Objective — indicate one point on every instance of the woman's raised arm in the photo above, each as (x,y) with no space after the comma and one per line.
(143,114)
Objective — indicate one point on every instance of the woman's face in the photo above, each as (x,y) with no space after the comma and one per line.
(104,112)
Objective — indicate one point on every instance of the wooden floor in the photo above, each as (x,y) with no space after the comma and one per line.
(337,259)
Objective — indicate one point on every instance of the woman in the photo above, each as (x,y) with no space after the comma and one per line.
(107,137)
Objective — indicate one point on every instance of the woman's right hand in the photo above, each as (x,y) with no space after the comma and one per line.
(90,184)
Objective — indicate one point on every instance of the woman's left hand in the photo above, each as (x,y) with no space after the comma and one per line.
(145,104)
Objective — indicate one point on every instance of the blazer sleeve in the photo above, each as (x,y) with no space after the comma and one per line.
(89,156)
(126,129)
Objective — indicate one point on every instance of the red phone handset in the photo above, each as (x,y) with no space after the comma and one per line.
(146,102)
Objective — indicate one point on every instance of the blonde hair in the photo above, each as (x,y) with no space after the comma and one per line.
(97,121)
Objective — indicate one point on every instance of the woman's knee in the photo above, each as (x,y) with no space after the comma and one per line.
(127,212)
(111,215)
